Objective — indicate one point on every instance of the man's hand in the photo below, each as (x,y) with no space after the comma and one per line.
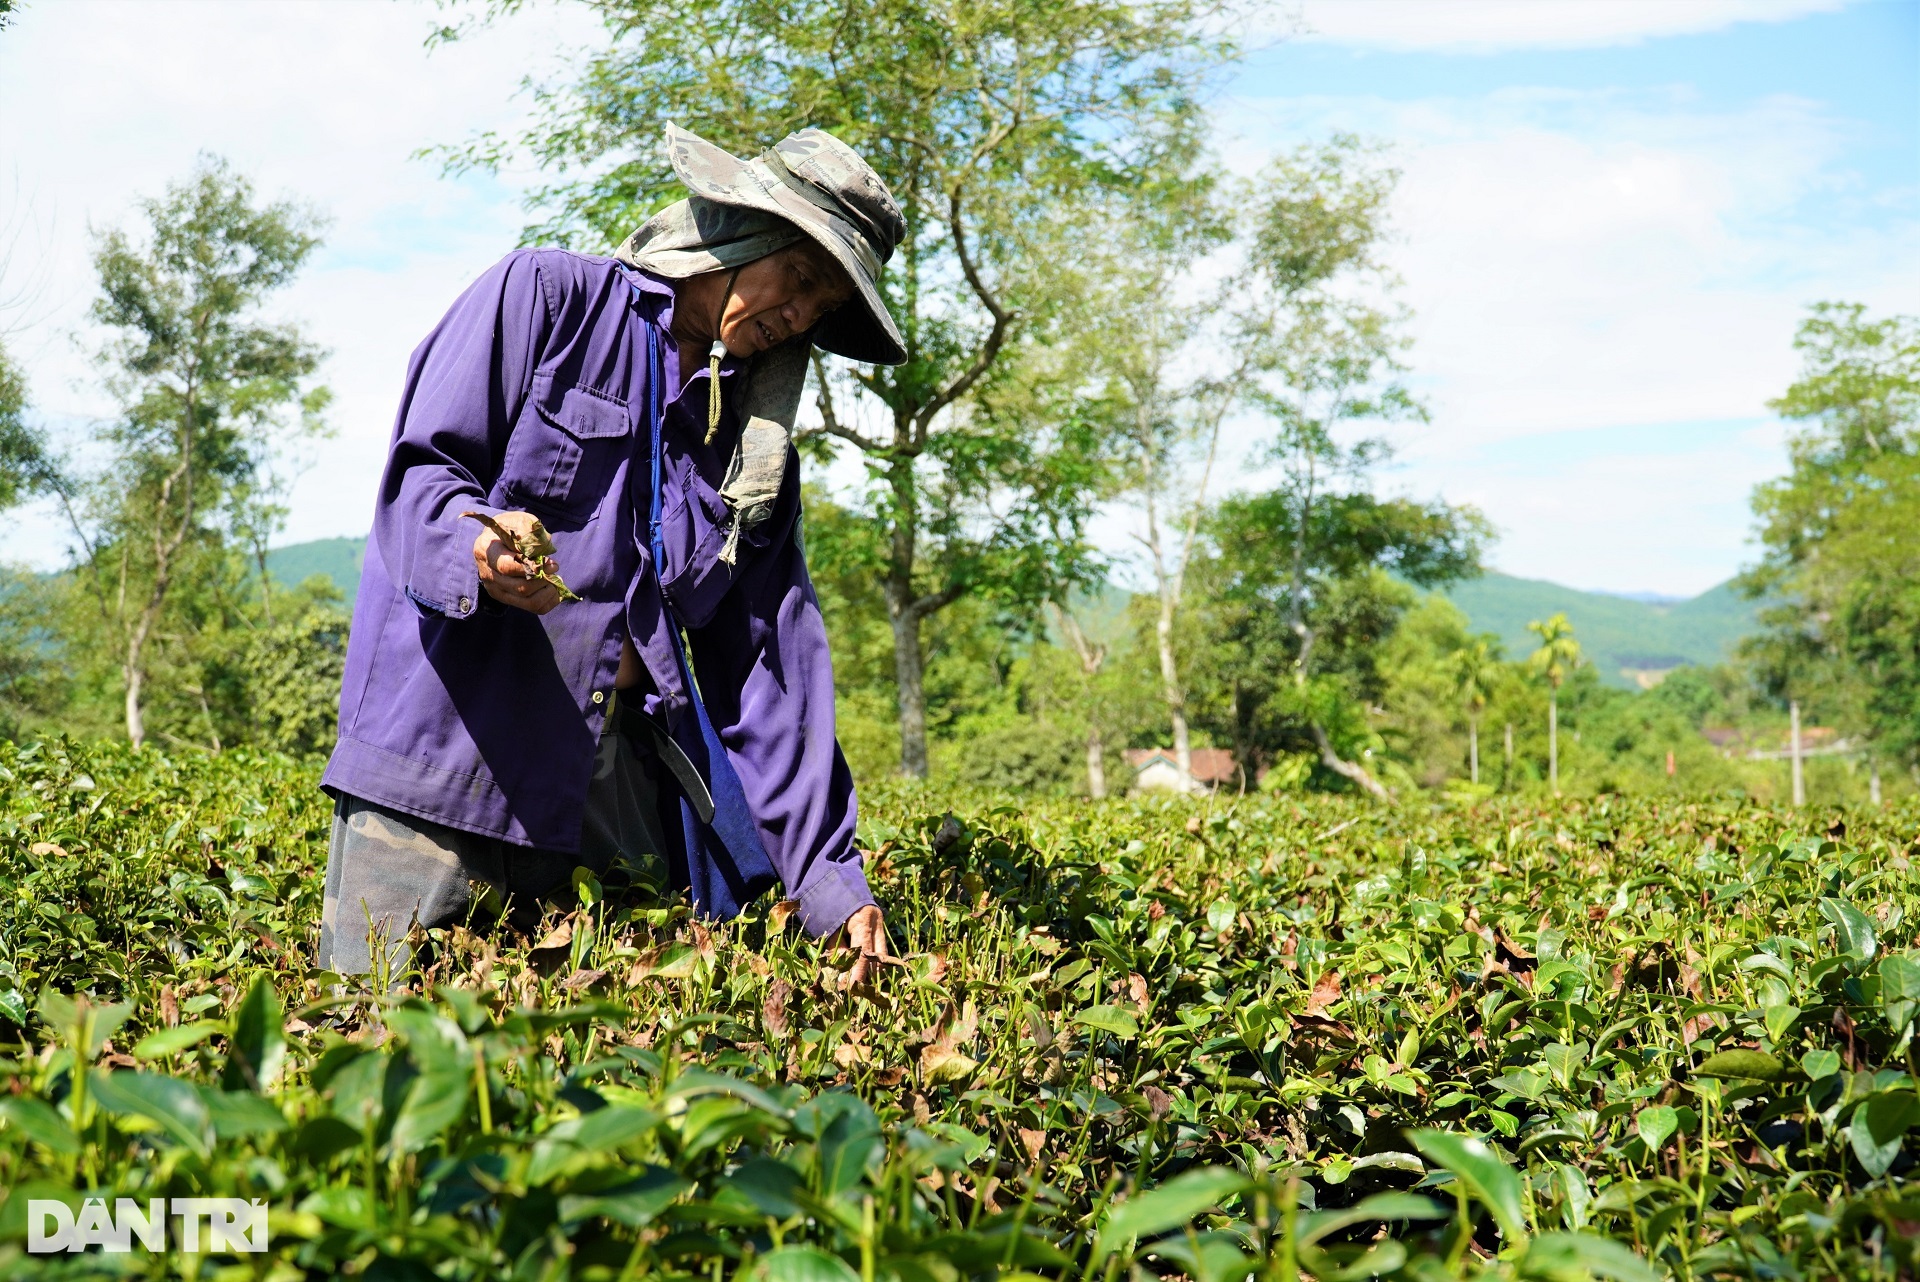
(504,576)
(867,933)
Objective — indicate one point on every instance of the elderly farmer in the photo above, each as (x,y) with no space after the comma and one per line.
(675,701)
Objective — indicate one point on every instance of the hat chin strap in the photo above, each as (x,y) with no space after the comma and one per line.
(714,356)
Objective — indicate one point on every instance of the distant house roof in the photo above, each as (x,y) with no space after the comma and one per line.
(1210,765)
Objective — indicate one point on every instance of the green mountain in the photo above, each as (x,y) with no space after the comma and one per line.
(1624,638)
(337,559)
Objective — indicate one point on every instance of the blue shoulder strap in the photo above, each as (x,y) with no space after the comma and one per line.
(726,864)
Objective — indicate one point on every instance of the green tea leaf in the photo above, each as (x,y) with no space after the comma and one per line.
(1755,1065)
(1880,1124)
(600,1131)
(1484,1172)
(1820,1063)
(1851,929)
(1899,989)
(434,1043)
(258,1047)
(176,1107)
(238,1114)
(1656,1126)
(37,1120)
(348,1207)
(634,1203)
(1565,1257)
(443,1091)
(1109,1019)
(800,1264)
(171,1041)
(1168,1206)
(1381,1206)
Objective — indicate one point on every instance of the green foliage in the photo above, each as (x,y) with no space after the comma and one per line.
(210,391)
(1503,1040)
(1621,636)
(1291,644)
(279,683)
(1001,128)
(1558,653)
(1840,555)
(25,467)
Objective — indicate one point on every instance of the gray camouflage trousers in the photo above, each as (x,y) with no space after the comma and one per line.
(387,870)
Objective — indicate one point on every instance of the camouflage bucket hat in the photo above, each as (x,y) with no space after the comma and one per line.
(820,185)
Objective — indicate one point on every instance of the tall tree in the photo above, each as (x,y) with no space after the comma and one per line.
(1092,658)
(1476,667)
(993,123)
(1840,563)
(1326,358)
(209,391)
(1247,653)
(1144,328)
(1555,659)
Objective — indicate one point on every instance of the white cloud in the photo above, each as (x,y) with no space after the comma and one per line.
(1604,261)
(1576,261)
(324,102)
(1486,26)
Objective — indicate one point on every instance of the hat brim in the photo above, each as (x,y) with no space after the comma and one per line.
(861,333)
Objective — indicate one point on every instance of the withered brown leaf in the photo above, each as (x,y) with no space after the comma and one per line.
(535,551)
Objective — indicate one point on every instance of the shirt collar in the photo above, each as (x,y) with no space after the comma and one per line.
(654,296)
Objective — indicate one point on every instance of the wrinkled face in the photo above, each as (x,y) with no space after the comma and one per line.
(783,294)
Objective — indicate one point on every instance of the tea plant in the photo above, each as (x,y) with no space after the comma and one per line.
(1227,1038)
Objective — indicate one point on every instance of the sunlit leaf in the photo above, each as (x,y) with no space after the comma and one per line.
(258,1047)
(1899,989)
(1576,1257)
(1656,1126)
(1109,1019)
(36,1120)
(171,1041)
(1851,929)
(1755,1065)
(1817,1064)
(800,1264)
(174,1106)
(1483,1171)
(1167,1206)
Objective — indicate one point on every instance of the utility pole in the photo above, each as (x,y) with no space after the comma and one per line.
(1799,777)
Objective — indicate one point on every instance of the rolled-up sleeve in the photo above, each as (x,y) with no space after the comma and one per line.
(767,678)
(465,387)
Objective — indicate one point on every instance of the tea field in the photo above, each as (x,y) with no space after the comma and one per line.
(1259,1037)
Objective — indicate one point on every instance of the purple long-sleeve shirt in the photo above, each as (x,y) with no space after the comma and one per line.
(531,395)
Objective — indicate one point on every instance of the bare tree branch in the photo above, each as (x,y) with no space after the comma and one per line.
(983,358)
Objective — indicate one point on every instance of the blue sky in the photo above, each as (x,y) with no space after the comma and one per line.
(1611,216)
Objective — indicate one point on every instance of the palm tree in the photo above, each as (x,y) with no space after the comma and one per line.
(1474,668)
(1558,655)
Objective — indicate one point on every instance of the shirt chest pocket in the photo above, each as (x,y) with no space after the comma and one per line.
(566,447)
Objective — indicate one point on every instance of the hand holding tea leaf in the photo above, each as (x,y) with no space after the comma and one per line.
(515,556)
